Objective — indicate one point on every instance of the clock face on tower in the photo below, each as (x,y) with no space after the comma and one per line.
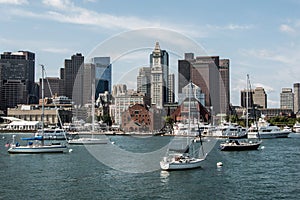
(156,60)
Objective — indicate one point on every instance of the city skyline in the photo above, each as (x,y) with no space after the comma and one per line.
(257,40)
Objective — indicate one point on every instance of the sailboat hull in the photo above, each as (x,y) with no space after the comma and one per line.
(177,165)
(37,149)
(239,147)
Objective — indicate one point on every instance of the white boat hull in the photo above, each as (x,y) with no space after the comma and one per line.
(176,165)
(87,141)
(38,149)
(297,130)
(269,135)
(178,162)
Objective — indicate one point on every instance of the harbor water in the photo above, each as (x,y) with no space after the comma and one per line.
(272,172)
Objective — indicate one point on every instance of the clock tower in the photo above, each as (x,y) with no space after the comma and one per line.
(159,64)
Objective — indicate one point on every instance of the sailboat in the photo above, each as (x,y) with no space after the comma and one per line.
(38,146)
(90,140)
(241,145)
(182,158)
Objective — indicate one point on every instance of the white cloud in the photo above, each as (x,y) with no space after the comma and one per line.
(14,2)
(267,88)
(58,50)
(59,4)
(285,55)
(287,29)
(231,27)
(65,11)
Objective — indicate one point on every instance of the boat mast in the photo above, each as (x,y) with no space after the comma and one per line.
(247,99)
(189,115)
(93,106)
(43,101)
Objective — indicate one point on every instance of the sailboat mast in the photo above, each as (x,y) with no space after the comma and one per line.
(43,101)
(247,99)
(189,115)
(93,105)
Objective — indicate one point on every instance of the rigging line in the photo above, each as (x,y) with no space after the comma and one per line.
(198,113)
(55,105)
(253,108)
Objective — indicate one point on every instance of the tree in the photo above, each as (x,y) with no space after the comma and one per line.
(107,119)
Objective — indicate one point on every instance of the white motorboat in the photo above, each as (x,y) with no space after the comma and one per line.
(264,130)
(296,127)
(52,134)
(228,130)
(181,129)
(38,146)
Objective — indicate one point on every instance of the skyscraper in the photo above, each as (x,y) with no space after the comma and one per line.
(224,84)
(171,88)
(260,97)
(17,71)
(296,97)
(54,86)
(88,83)
(144,81)
(207,73)
(244,98)
(287,99)
(72,75)
(159,64)
(102,74)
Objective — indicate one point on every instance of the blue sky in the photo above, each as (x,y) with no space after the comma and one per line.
(261,38)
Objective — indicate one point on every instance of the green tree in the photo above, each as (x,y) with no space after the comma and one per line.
(106,119)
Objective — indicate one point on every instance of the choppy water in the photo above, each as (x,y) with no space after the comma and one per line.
(269,173)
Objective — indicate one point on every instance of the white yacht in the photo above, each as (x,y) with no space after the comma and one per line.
(181,129)
(296,127)
(264,130)
(229,130)
(52,134)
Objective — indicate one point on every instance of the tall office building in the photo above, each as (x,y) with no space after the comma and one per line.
(159,64)
(296,97)
(184,73)
(287,99)
(171,88)
(244,98)
(206,73)
(144,81)
(17,71)
(260,97)
(52,85)
(102,74)
(73,75)
(88,83)
(224,84)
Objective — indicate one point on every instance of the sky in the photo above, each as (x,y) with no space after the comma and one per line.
(261,38)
